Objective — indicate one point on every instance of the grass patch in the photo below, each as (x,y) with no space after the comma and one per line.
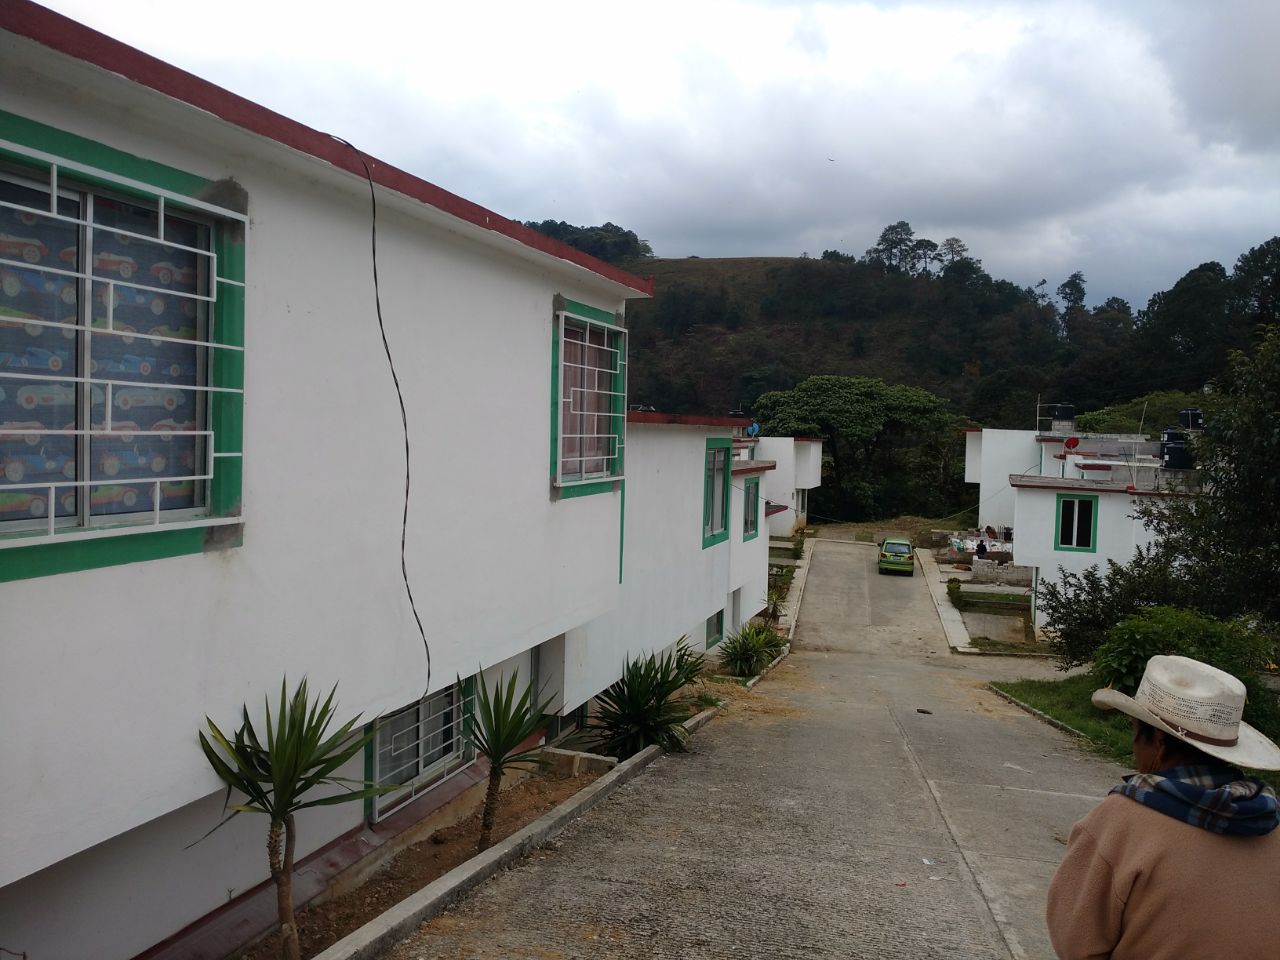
(1067,701)
(1004,646)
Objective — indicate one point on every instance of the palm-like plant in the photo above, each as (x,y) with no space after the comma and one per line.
(500,725)
(750,650)
(641,707)
(299,755)
(773,602)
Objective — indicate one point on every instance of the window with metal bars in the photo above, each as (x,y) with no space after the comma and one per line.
(421,744)
(109,299)
(591,399)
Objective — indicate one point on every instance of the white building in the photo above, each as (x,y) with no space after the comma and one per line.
(1069,499)
(204,484)
(799,470)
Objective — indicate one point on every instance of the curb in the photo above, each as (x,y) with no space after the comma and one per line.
(952,623)
(384,931)
(796,593)
(1038,714)
(786,649)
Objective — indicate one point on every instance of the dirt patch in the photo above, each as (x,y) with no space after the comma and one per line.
(413,868)
(766,702)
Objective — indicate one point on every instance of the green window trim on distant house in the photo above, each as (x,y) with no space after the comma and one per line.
(588,399)
(715,628)
(750,509)
(1075,526)
(118,247)
(715,491)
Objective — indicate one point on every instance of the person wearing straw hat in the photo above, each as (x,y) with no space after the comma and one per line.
(1182,860)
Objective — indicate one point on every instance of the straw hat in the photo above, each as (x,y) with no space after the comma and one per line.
(1200,705)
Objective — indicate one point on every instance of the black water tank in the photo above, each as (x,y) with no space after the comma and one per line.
(1191,419)
(1175,452)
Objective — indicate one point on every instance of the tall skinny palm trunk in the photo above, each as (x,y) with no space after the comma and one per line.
(281,863)
(490,808)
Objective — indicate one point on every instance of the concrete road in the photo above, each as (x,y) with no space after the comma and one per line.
(823,815)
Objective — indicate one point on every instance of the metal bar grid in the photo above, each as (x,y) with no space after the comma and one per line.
(418,746)
(55,163)
(84,524)
(574,406)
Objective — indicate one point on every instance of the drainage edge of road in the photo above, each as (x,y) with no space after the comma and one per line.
(1039,714)
(950,618)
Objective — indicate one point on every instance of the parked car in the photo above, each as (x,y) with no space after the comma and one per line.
(167,273)
(896,556)
(126,364)
(129,397)
(31,439)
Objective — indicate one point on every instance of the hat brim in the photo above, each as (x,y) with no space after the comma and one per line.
(1252,749)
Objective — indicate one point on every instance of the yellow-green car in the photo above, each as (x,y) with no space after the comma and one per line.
(896,555)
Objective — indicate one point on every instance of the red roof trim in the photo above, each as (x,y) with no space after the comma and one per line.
(808,439)
(773,509)
(972,429)
(1128,491)
(1050,439)
(687,420)
(753,466)
(74,39)
(1094,466)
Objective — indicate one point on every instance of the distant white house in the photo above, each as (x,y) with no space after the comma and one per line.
(799,470)
(202,487)
(1068,499)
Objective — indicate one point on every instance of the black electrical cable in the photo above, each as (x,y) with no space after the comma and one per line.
(404,416)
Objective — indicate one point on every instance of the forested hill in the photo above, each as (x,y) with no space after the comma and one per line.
(721,332)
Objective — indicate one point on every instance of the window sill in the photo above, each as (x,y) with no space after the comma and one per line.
(26,558)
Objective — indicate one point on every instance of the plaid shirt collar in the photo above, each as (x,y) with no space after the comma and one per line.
(1220,799)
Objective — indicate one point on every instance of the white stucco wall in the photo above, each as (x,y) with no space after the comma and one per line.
(779,484)
(973,456)
(671,585)
(117,667)
(808,464)
(1119,533)
(1001,453)
(748,559)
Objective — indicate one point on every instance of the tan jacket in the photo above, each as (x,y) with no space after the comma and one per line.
(1139,885)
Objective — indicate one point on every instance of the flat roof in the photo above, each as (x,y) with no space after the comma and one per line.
(744,467)
(75,40)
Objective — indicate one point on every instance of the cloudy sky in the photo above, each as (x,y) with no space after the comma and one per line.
(1131,141)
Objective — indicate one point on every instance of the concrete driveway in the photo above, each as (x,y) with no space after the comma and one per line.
(823,815)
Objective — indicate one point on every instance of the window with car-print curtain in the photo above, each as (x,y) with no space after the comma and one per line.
(104,310)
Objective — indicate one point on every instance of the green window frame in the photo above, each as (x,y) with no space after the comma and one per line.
(37,153)
(717,471)
(715,628)
(750,509)
(1075,526)
(588,399)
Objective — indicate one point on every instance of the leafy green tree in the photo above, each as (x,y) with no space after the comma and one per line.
(951,250)
(298,756)
(1148,414)
(876,435)
(608,242)
(893,248)
(500,726)
(1225,539)
(1255,286)
(1185,332)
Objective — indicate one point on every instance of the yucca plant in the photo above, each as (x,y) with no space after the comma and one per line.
(750,650)
(773,602)
(641,707)
(689,662)
(501,723)
(299,755)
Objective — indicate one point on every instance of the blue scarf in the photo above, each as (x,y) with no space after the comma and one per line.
(1217,798)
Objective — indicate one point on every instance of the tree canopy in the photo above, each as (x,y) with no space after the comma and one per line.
(608,242)
(893,449)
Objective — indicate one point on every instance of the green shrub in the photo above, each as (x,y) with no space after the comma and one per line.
(773,601)
(750,650)
(641,707)
(1235,646)
(1080,609)
(688,662)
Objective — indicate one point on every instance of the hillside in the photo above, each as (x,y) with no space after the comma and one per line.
(721,332)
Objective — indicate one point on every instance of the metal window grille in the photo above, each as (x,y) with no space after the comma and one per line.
(715,518)
(418,746)
(106,348)
(593,400)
